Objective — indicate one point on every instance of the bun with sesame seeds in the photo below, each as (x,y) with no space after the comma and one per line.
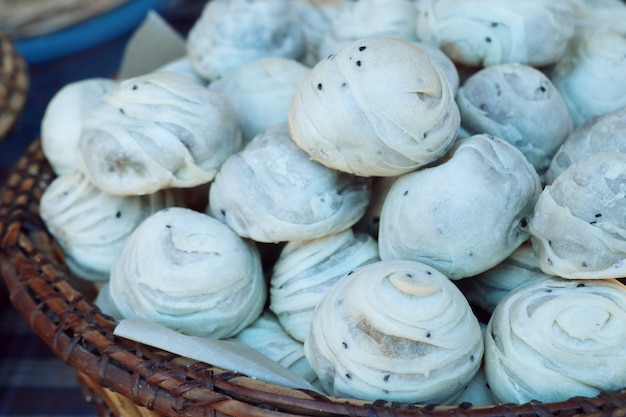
(379,107)
(396,330)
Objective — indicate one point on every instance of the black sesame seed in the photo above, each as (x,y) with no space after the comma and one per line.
(425,135)
(362,48)
(584,264)
(580,285)
(523,222)
(494,24)
(118,214)
(488,39)
(550,261)
(135,86)
(350,273)
(345,345)
(122,111)
(428,273)
(344,85)
(319,86)
(406,192)
(472,358)
(169,226)
(223,212)
(348,376)
(542,89)
(598,215)
(409,275)
(358,63)
(548,289)
(593,222)
(550,243)
(386,377)
(428,334)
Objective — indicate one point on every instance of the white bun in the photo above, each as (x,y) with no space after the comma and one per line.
(578,227)
(306,269)
(519,104)
(379,107)
(92,226)
(63,120)
(272,191)
(599,133)
(591,76)
(465,215)
(157,131)
(191,273)
(396,330)
(260,91)
(555,339)
(489,32)
(230,33)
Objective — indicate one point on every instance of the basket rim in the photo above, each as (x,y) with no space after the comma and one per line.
(44,292)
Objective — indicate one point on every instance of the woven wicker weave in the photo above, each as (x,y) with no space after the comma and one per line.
(13,85)
(121,377)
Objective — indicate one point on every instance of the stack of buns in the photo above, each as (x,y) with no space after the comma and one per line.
(367,194)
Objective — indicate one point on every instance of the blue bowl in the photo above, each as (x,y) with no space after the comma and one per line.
(92,48)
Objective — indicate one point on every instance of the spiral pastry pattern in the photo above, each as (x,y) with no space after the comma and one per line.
(555,338)
(395,330)
(378,107)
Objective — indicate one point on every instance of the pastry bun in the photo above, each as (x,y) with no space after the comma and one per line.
(441,215)
(378,107)
(272,191)
(189,272)
(156,131)
(396,330)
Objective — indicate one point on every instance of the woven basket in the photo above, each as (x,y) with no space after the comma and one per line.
(125,378)
(27,18)
(14,84)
